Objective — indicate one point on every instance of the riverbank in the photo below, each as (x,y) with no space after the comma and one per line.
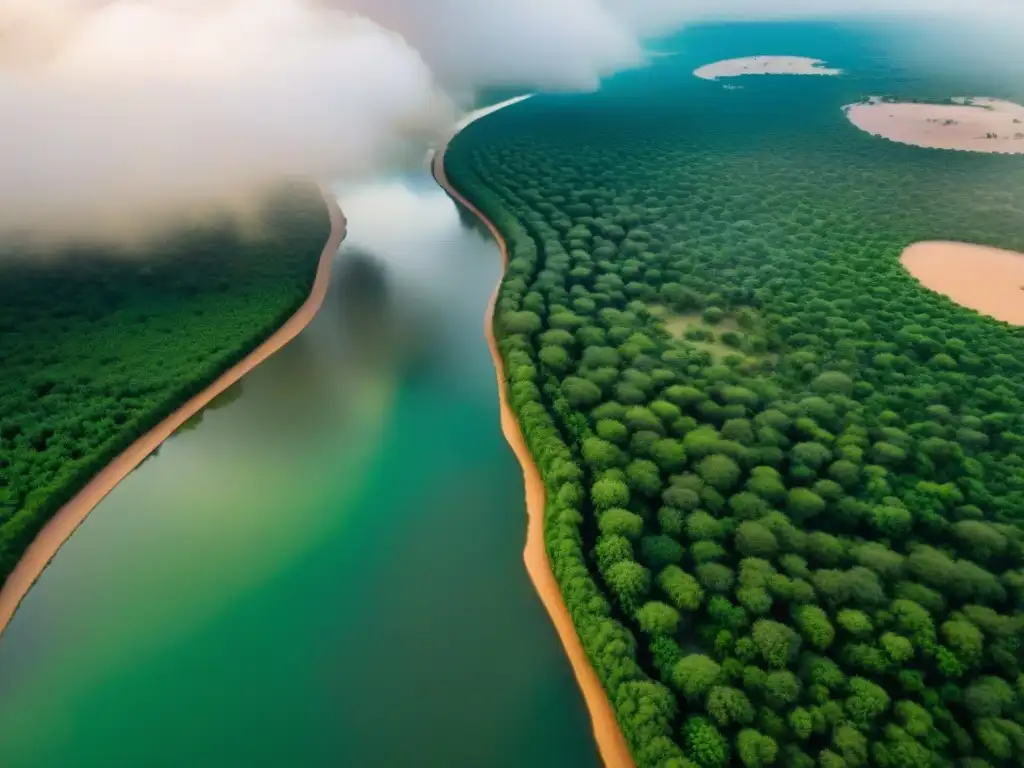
(67,519)
(610,741)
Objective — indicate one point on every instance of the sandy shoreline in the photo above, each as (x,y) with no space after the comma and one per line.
(764,65)
(610,741)
(974,125)
(985,279)
(63,524)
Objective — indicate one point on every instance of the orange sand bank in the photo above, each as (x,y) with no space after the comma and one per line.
(987,280)
(610,741)
(764,65)
(975,125)
(60,527)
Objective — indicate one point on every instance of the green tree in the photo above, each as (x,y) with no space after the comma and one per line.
(755,540)
(629,582)
(729,706)
(801,723)
(898,648)
(555,358)
(716,577)
(642,476)
(989,696)
(804,504)
(694,675)
(866,702)
(756,600)
(601,454)
(612,431)
(660,551)
(814,626)
(811,454)
(682,589)
(776,642)
(521,322)
(892,520)
(700,525)
(719,471)
(754,749)
(856,622)
(608,493)
(621,522)
(845,472)
(656,618)
(686,499)
(611,549)
(671,521)
(669,455)
(705,744)
(781,688)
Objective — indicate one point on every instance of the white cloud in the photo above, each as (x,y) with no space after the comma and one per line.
(115,110)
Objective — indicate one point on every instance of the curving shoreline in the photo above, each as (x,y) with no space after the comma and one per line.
(975,124)
(986,279)
(610,741)
(59,528)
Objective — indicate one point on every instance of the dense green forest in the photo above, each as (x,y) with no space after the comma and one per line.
(785,482)
(97,345)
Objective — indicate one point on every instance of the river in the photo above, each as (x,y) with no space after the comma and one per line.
(326,568)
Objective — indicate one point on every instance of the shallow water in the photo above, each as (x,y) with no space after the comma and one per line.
(327,568)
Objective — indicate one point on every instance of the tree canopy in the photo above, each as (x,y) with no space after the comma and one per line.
(803,541)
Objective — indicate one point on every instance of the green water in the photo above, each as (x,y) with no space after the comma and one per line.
(326,569)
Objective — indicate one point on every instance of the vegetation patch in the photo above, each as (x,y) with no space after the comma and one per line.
(713,331)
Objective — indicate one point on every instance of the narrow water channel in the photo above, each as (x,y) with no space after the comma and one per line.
(327,568)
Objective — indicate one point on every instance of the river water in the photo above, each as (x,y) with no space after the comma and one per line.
(326,568)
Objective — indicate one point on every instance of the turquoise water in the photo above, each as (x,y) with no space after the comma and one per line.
(325,570)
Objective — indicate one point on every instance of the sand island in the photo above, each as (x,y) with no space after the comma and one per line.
(975,125)
(987,280)
(764,65)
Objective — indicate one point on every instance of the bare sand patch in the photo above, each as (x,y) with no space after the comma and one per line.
(764,65)
(987,280)
(610,742)
(974,125)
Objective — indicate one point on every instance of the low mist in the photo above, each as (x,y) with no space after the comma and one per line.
(117,112)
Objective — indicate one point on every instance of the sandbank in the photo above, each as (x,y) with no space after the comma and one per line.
(764,65)
(67,519)
(974,125)
(987,280)
(610,742)
(476,114)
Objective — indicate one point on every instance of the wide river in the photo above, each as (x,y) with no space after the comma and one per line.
(326,569)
